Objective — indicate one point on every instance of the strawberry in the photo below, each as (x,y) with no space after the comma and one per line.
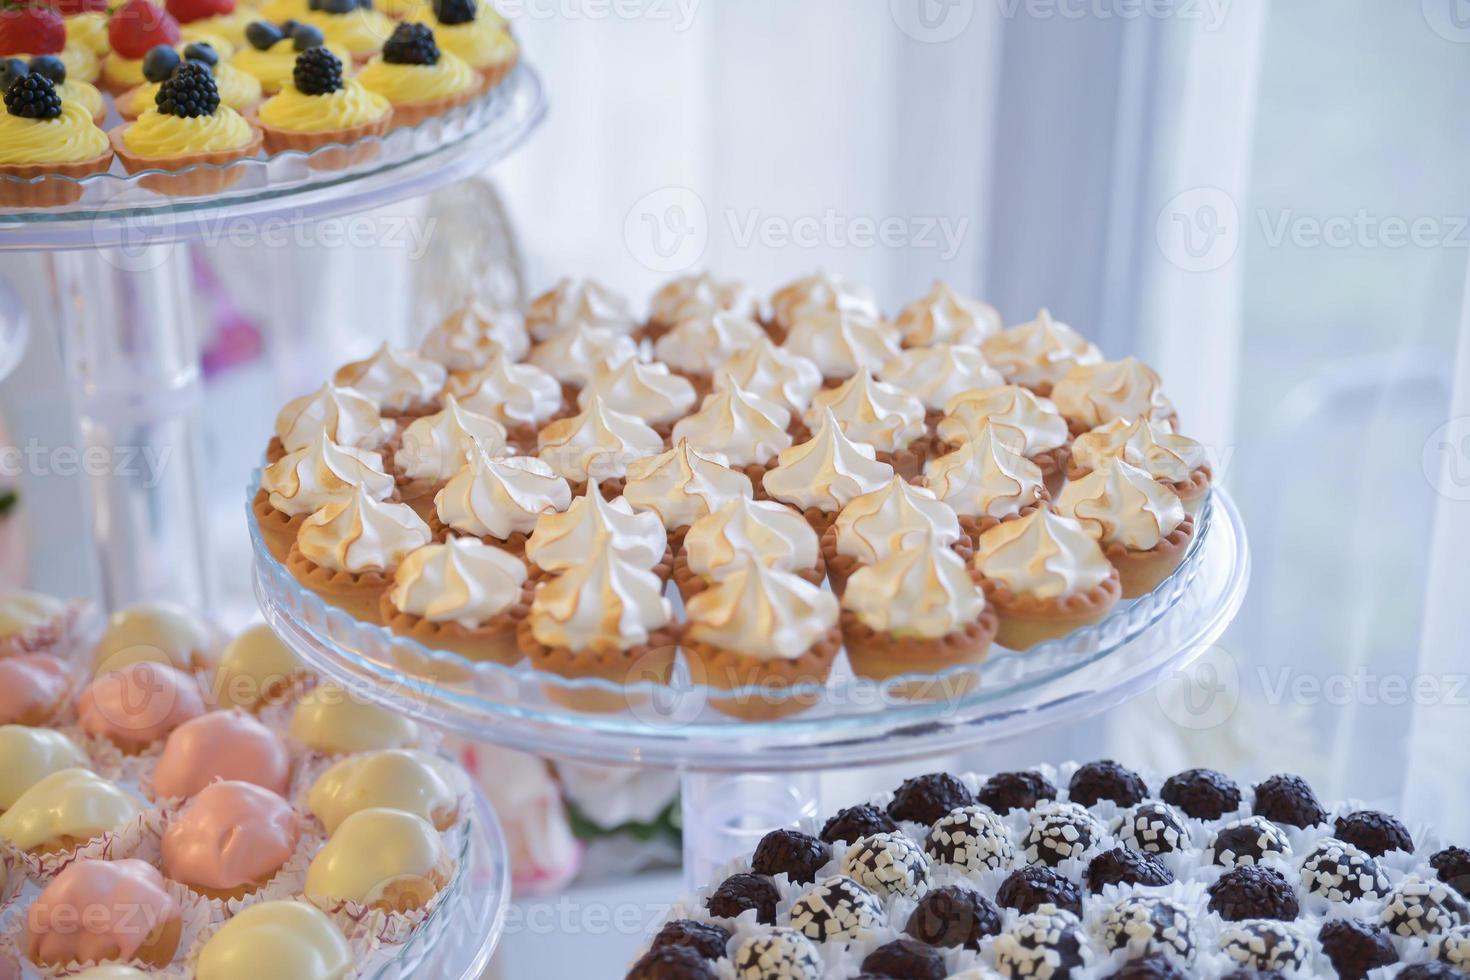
(138,26)
(31,30)
(70,8)
(188,11)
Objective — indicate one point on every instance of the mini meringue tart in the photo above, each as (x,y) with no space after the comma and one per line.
(417,77)
(348,417)
(883,416)
(65,810)
(764,531)
(917,611)
(32,622)
(462,596)
(1037,354)
(939,372)
(256,670)
(472,334)
(381,859)
(573,303)
(840,343)
(575,356)
(698,296)
(774,373)
(498,501)
(1178,462)
(596,446)
(402,383)
(704,338)
(944,316)
(521,397)
(1031,424)
(281,938)
(750,431)
(1090,395)
(303,482)
(768,636)
(481,40)
(348,551)
(43,135)
(1045,575)
(683,485)
(594,524)
(876,525)
(819,477)
(321,112)
(1141,524)
(820,292)
(986,481)
(433,448)
(230,840)
(409,780)
(645,390)
(607,619)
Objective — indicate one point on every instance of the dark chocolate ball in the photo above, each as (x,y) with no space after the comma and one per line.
(1154,828)
(1007,791)
(779,952)
(1060,831)
(1106,780)
(1354,947)
(790,852)
(972,839)
(1340,872)
(705,938)
(1253,892)
(1204,794)
(1287,799)
(1247,841)
(1149,968)
(836,908)
(954,916)
(924,799)
(671,963)
(738,893)
(1125,866)
(1041,944)
(1418,909)
(1036,886)
(906,959)
(1452,865)
(1265,945)
(1373,832)
(857,822)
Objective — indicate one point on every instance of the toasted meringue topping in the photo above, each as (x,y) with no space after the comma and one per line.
(580,354)
(397,380)
(943,316)
(495,498)
(1043,555)
(1039,352)
(822,293)
(466,339)
(643,390)
(743,530)
(1031,425)
(762,612)
(604,603)
(827,470)
(746,428)
(705,338)
(1126,505)
(1091,394)
(598,444)
(307,480)
(511,394)
(985,477)
(437,446)
(462,581)
(936,374)
(841,343)
(360,534)
(891,518)
(772,372)
(348,417)
(923,590)
(592,525)
(1144,443)
(684,484)
(698,293)
(574,303)
(883,416)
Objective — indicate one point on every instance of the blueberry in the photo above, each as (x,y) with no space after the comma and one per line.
(306,37)
(50,66)
(288,27)
(159,63)
(12,70)
(338,6)
(202,53)
(263,35)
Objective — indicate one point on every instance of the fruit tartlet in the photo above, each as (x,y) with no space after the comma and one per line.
(461,596)
(230,745)
(99,911)
(574,357)
(237,89)
(1178,462)
(744,530)
(1046,576)
(138,705)
(33,688)
(765,634)
(381,859)
(42,136)
(270,51)
(683,485)
(1090,395)
(32,754)
(86,25)
(348,551)
(605,619)
(134,29)
(472,335)
(159,633)
(355,27)
(916,611)
(648,391)
(332,721)
(211,20)
(230,840)
(597,445)
(188,128)
(400,382)
(986,482)
(821,292)
(303,482)
(883,416)
(594,524)
(1141,524)
(877,525)
(944,316)
(696,295)
(414,782)
(420,80)
(344,415)
(774,373)
(65,810)
(1039,353)
(435,447)
(276,939)
(821,476)
(521,397)
(35,30)
(573,303)
(480,40)
(841,344)
(256,670)
(498,501)
(31,622)
(1030,425)
(748,430)
(703,340)
(321,108)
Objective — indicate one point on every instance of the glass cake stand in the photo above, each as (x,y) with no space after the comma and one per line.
(741,778)
(119,267)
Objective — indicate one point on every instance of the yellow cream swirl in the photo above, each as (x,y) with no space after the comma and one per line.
(70,138)
(351,105)
(89,30)
(160,136)
(361,32)
(273,68)
(83,93)
(237,89)
(119,72)
(407,84)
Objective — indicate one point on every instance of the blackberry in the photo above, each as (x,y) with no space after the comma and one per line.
(50,66)
(954,916)
(1125,866)
(671,963)
(1354,947)
(453,12)
(33,97)
(906,959)
(411,44)
(1202,793)
(1373,832)
(799,856)
(924,799)
(188,93)
(1452,865)
(705,938)
(1037,887)
(1007,791)
(1253,892)
(857,822)
(1106,780)
(738,893)
(1288,799)
(317,72)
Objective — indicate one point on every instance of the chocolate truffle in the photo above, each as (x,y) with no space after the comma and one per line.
(836,908)
(1429,971)
(705,938)
(1007,791)
(1204,794)
(1264,945)
(1154,828)
(1149,968)
(1287,799)
(1144,925)
(783,953)
(1253,892)
(924,799)
(906,959)
(672,963)
(1123,866)
(1354,947)
(790,852)
(954,916)
(1060,831)
(1036,887)
(740,892)
(1106,780)
(857,822)
(1418,909)
(1247,973)
(1042,944)
(887,864)
(1452,866)
(1454,948)
(1340,872)
(1373,832)
(1247,841)
(972,839)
